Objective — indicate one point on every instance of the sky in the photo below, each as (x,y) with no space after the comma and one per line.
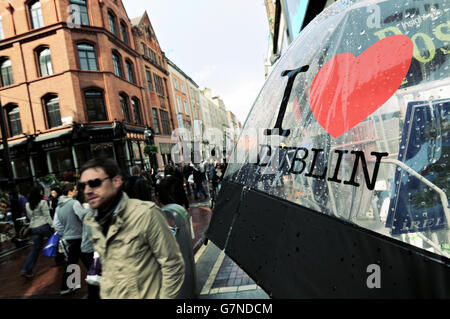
(219,44)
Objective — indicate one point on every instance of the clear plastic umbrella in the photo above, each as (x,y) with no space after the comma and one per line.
(353,122)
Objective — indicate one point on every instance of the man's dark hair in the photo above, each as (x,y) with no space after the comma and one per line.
(107,164)
(68,187)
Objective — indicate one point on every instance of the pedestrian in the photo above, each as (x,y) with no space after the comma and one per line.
(136,186)
(53,200)
(199,177)
(187,171)
(140,256)
(171,189)
(41,227)
(217,177)
(68,223)
(211,170)
(55,193)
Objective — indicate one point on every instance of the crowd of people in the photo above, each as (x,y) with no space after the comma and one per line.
(105,204)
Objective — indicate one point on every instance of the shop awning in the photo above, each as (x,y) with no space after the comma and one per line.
(50,136)
(13,144)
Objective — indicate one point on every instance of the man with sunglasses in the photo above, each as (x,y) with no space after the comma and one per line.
(140,256)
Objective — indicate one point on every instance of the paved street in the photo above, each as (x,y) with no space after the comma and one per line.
(217,275)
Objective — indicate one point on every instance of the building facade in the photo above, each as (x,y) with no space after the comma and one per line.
(187,104)
(157,88)
(286,20)
(74,86)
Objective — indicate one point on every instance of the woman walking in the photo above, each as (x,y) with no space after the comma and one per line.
(40,223)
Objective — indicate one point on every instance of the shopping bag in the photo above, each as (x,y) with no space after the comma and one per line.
(51,248)
(94,275)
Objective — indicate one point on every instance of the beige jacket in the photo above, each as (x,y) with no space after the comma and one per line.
(140,256)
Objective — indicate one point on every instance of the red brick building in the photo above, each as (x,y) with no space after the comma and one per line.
(157,87)
(74,85)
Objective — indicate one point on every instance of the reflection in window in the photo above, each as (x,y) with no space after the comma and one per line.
(6,69)
(136,111)
(156,122)
(36,14)
(61,161)
(51,104)
(13,118)
(95,105)
(45,62)
(125,108)
(130,72)
(2,35)
(112,23)
(87,57)
(124,31)
(79,7)
(117,64)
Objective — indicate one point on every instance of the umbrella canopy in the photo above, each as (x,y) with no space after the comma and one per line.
(352,124)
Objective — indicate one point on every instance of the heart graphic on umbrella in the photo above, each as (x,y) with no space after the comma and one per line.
(348,89)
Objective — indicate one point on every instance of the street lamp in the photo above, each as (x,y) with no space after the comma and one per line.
(148,134)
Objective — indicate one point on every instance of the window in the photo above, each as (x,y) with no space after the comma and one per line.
(2,35)
(175,83)
(152,55)
(189,127)
(124,31)
(79,12)
(159,84)
(165,122)
(45,62)
(156,121)
(87,57)
(195,114)
(6,69)
(35,14)
(149,34)
(149,80)
(180,120)
(186,107)
(117,64)
(51,105)
(95,105)
(182,88)
(125,109)
(136,111)
(130,71)
(112,23)
(179,108)
(13,118)
(144,49)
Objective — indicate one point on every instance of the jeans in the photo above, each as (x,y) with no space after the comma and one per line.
(38,235)
(199,189)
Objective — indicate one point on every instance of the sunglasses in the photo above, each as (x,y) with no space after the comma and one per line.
(93,183)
